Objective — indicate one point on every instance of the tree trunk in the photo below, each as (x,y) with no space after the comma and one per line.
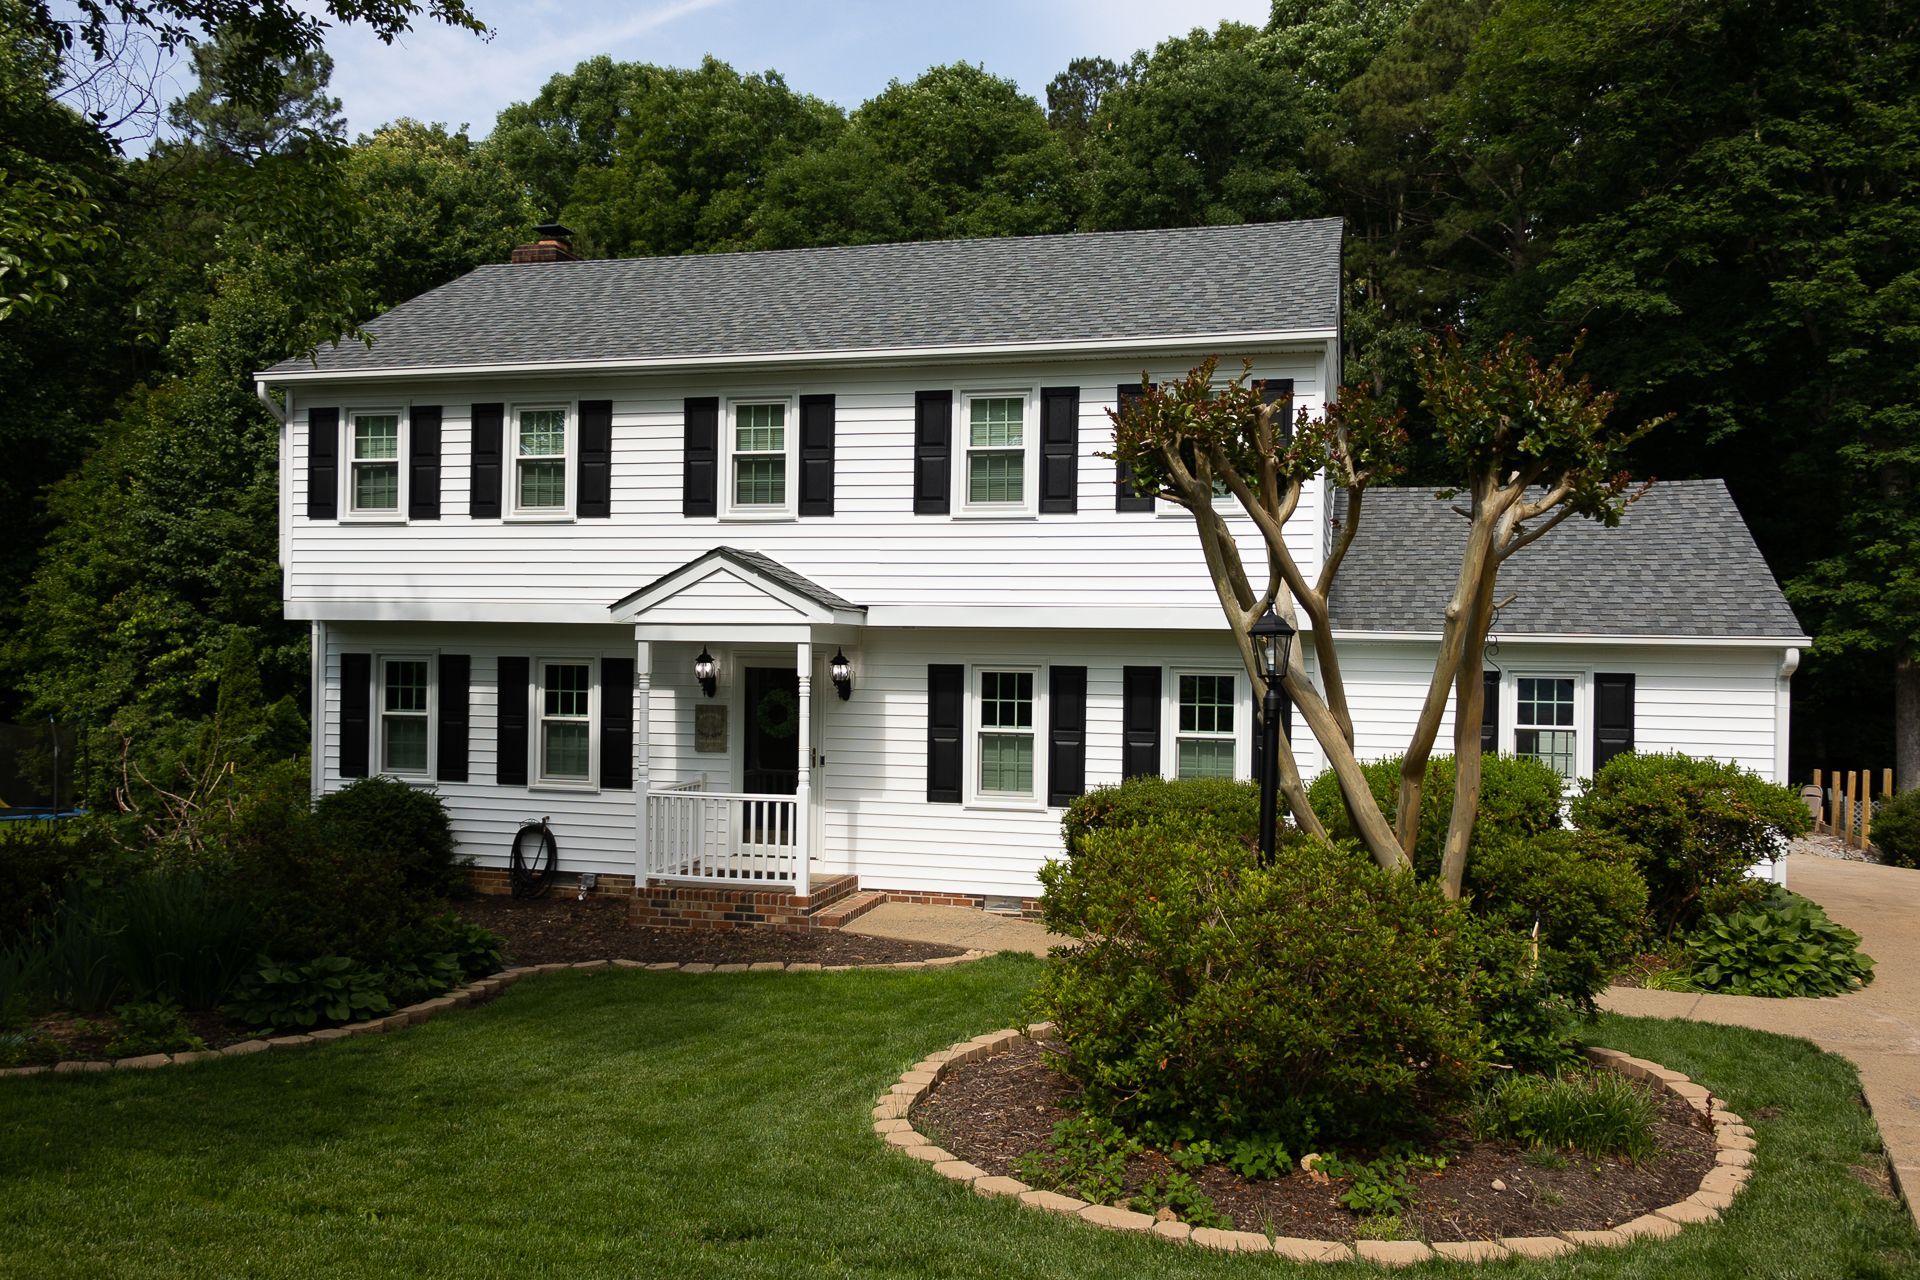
(1469,710)
(1906,724)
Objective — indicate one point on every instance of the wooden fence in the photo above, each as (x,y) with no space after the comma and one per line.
(1842,803)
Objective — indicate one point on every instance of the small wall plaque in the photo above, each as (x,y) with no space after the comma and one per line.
(710,727)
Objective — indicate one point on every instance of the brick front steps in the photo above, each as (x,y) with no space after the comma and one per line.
(701,906)
(476,992)
(1733,1141)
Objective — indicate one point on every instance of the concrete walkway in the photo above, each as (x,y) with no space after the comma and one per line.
(1877,1028)
(954,926)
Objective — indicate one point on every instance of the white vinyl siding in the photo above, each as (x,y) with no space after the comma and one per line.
(406,715)
(542,451)
(374,453)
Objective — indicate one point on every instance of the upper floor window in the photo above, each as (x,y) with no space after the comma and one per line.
(758,448)
(373,463)
(996,471)
(1204,746)
(405,722)
(541,452)
(1005,735)
(565,731)
(1544,722)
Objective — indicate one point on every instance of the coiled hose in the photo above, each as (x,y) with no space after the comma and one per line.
(534,859)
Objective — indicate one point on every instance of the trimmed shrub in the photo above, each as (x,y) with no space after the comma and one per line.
(394,821)
(1584,891)
(1896,830)
(1519,796)
(1316,998)
(1785,947)
(1230,810)
(1701,824)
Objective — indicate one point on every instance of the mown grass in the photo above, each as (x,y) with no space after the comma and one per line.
(634,1124)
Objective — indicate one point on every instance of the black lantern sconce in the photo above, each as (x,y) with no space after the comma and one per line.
(703,671)
(842,672)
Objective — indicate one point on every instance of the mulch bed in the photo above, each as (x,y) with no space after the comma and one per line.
(993,1111)
(86,1036)
(560,928)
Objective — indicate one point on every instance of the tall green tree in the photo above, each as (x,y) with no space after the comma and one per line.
(292,112)
(571,125)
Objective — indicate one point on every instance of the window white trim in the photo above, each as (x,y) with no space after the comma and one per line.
(537,719)
(349,464)
(570,427)
(1581,728)
(1241,735)
(430,714)
(730,509)
(974,797)
(963,450)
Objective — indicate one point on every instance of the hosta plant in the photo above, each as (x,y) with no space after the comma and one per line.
(1785,947)
(331,989)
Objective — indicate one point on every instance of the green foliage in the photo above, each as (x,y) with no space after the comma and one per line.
(1315,996)
(1527,1019)
(1784,947)
(38,859)
(322,992)
(1381,1188)
(395,822)
(1896,829)
(152,1026)
(1701,824)
(1583,890)
(1600,1113)
(1204,806)
(1088,1157)
(1175,1189)
(180,936)
(1519,799)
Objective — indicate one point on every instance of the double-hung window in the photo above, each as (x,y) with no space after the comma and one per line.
(373,462)
(1544,722)
(995,468)
(1204,746)
(541,452)
(759,480)
(1005,735)
(565,731)
(405,715)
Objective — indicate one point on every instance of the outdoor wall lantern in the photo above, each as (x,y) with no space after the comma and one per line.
(842,672)
(703,671)
(1272,648)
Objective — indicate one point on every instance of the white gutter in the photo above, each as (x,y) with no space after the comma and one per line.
(1569,637)
(1217,342)
(265,397)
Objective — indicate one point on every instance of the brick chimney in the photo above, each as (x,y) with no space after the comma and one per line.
(553,243)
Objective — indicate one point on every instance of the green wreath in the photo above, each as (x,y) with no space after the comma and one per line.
(778,714)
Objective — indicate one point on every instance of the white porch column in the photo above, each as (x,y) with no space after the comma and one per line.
(803,786)
(642,773)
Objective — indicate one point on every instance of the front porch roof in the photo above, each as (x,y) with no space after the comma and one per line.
(731,585)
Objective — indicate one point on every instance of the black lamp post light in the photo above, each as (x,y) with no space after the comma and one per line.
(842,672)
(703,671)
(1272,650)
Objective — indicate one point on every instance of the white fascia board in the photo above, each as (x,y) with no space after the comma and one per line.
(324,609)
(732,633)
(1219,343)
(1530,637)
(1047,617)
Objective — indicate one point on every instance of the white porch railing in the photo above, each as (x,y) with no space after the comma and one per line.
(717,837)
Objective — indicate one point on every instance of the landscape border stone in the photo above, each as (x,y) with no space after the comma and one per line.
(479,991)
(1734,1147)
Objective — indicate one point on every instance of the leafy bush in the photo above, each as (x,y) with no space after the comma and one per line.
(1519,796)
(1525,1021)
(38,859)
(390,820)
(314,897)
(323,991)
(1217,806)
(477,951)
(27,1049)
(1896,829)
(152,1026)
(1599,1113)
(1316,996)
(1088,1158)
(1701,824)
(1583,890)
(1380,1188)
(1785,947)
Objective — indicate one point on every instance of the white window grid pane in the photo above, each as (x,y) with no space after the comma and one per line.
(1006,699)
(543,484)
(543,433)
(1006,763)
(376,486)
(564,749)
(759,482)
(1206,758)
(376,436)
(1556,748)
(996,477)
(996,422)
(404,748)
(565,690)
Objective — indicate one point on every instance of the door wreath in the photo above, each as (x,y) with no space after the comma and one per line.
(778,714)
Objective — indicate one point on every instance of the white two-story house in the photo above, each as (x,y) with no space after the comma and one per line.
(753,571)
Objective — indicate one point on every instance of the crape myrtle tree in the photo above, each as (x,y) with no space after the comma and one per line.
(1529,446)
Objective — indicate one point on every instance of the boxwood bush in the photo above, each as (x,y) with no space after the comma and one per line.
(1700,825)
(1896,829)
(1318,998)
(1519,796)
(1216,806)
(1584,892)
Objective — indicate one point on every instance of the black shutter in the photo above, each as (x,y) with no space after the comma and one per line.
(1612,716)
(932,453)
(816,455)
(700,469)
(946,714)
(323,464)
(456,671)
(1140,722)
(510,724)
(356,713)
(1490,712)
(1066,734)
(1124,498)
(616,724)
(1060,449)
(423,462)
(1273,389)
(483,482)
(595,460)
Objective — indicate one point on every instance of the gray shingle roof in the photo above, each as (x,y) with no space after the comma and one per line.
(1186,282)
(1681,564)
(764,565)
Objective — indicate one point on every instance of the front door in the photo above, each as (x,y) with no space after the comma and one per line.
(771,759)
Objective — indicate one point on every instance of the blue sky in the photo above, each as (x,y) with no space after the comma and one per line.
(843,52)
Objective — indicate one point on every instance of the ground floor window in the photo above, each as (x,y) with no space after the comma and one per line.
(1204,747)
(1543,722)
(1005,734)
(405,725)
(565,733)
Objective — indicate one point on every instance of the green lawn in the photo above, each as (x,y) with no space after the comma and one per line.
(630,1124)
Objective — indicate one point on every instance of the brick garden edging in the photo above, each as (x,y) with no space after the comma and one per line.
(1733,1160)
(478,991)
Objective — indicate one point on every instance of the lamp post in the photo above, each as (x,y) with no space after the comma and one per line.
(1272,649)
